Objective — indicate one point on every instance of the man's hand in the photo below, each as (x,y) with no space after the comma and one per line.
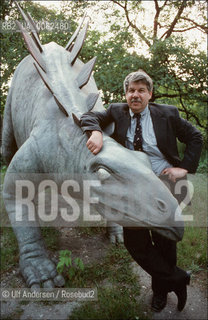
(174,173)
(95,142)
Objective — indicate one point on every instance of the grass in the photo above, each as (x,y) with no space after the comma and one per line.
(118,289)
(192,250)
(114,267)
(9,249)
(113,303)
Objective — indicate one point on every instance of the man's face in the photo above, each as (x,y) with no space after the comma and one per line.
(138,96)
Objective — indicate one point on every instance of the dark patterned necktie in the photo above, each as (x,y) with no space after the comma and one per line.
(138,133)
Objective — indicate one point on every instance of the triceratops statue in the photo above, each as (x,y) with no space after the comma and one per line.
(50,89)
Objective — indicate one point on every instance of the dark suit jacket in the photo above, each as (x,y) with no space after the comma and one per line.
(168,127)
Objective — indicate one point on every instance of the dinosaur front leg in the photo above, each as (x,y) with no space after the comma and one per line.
(35,265)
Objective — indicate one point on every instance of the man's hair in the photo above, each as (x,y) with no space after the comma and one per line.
(136,76)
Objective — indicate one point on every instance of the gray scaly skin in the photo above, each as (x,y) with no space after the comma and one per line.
(40,136)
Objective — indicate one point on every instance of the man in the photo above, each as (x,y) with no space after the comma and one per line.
(151,128)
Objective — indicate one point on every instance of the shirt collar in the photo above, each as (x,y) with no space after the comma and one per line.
(143,113)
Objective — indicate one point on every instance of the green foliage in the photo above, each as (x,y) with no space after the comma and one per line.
(178,67)
(67,265)
(202,168)
(183,85)
(3,168)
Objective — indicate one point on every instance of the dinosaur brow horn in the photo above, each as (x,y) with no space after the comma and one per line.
(85,73)
(73,37)
(32,47)
(29,21)
(78,44)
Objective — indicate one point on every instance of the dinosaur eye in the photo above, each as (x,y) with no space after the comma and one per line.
(103,174)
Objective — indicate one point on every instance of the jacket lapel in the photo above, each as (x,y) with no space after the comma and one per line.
(123,124)
(160,127)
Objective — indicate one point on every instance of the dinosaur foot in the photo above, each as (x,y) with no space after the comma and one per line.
(115,233)
(40,271)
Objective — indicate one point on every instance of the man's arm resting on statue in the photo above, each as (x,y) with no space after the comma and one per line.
(95,142)
(95,121)
(92,123)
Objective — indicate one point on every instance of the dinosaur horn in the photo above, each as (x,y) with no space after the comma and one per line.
(44,78)
(32,47)
(78,44)
(73,37)
(91,100)
(34,32)
(31,24)
(85,73)
(48,85)
(76,120)
(60,106)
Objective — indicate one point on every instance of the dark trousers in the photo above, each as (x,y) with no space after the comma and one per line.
(156,255)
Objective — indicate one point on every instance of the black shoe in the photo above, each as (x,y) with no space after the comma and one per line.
(188,277)
(182,293)
(159,302)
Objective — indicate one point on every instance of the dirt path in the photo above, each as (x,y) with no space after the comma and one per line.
(91,249)
(196,306)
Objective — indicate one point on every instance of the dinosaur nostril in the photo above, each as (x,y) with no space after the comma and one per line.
(161,205)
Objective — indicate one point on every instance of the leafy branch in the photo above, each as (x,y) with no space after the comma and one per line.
(131,24)
(69,266)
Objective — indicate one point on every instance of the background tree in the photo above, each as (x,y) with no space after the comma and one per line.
(175,61)
(124,41)
(178,68)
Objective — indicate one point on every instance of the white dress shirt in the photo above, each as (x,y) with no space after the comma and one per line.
(149,144)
